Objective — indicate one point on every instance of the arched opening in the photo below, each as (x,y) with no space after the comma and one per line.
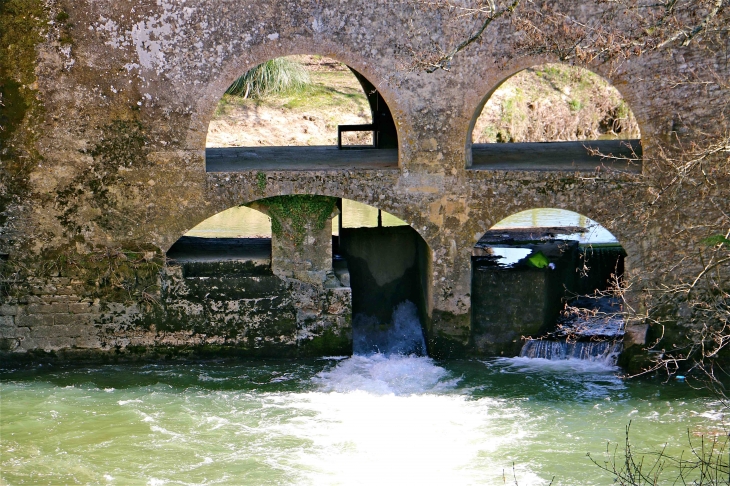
(554,117)
(245,269)
(545,283)
(237,234)
(389,268)
(301,113)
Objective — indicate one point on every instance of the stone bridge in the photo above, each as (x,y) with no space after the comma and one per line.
(104,162)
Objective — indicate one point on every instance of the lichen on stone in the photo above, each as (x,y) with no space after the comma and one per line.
(122,146)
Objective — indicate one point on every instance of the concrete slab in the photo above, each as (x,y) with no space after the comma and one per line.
(556,156)
(241,159)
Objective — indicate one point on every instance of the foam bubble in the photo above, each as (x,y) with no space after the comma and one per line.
(382,375)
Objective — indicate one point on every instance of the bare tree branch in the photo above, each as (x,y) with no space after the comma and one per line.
(443,61)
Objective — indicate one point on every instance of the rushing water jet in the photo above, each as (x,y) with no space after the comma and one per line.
(403,336)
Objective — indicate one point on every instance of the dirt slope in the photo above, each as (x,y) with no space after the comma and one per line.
(309,117)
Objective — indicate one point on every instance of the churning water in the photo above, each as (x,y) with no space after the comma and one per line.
(402,336)
(372,418)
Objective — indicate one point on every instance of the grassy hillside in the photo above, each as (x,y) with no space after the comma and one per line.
(307,116)
(554,102)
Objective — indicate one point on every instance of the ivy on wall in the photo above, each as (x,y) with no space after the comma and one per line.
(296,212)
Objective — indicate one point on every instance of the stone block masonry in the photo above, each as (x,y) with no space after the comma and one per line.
(103,168)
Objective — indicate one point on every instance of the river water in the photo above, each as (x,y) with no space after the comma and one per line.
(369,419)
(366,420)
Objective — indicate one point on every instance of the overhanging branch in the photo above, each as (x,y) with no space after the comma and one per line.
(444,60)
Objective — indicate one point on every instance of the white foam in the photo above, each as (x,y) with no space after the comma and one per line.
(368,438)
(524,364)
(125,402)
(205,377)
(396,420)
(216,422)
(382,375)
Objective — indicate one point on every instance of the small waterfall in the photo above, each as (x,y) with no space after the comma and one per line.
(403,336)
(604,351)
(592,330)
(388,359)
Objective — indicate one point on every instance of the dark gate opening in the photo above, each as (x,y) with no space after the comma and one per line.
(388,269)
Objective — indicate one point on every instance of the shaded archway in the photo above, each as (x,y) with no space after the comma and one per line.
(364,268)
(540,271)
(390,272)
(237,234)
(554,117)
(300,112)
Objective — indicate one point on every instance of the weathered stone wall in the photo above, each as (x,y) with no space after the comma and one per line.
(256,313)
(107,109)
(253,314)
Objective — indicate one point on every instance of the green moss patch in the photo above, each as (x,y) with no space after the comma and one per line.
(22,26)
(296,213)
(328,343)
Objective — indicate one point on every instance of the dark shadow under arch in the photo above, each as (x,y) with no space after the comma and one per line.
(384,261)
(233,241)
(529,265)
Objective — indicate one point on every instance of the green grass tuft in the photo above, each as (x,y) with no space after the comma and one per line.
(277,76)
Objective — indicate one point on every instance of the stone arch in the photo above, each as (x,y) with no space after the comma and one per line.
(629,148)
(628,237)
(528,265)
(426,233)
(380,266)
(237,232)
(365,72)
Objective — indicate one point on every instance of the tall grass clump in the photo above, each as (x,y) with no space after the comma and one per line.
(276,76)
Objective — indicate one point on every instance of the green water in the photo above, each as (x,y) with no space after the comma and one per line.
(361,420)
